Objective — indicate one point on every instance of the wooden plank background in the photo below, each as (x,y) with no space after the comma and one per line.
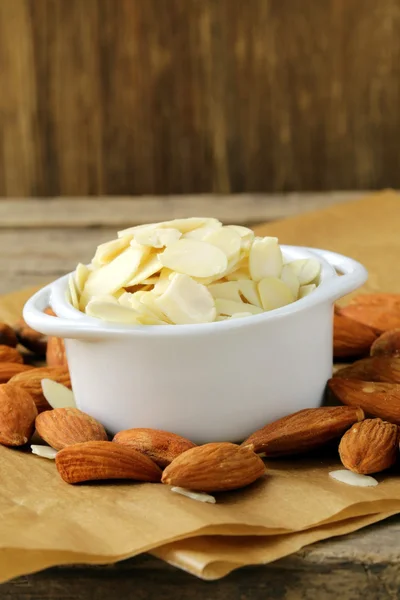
(138,97)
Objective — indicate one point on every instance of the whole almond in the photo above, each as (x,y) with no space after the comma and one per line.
(91,461)
(370,446)
(162,447)
(31,381)
(7,335)
(8,370)
(9,354)
(387,344)
(55,353)
(376,399)
(385,369)
(303,431)
(29,338)
(62,427)
(380,311)
(17,415)
(350,338)
(215,467)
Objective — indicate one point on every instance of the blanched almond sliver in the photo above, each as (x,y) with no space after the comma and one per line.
(57,395)
(274,293)
(199,496)
(306,269)
(157,238)
(230,307)
(186,301)
(306,289)
(72,292)
(115,313)
(114,276)
(149,266)
(81,275)
(183,225)
(194,258)
(265,259)
(106,252)
(228,240)
(248,289)
(345,476)
(44,451)
(228,290)
(289,277)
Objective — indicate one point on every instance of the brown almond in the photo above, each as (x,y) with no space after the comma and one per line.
(62,427)
(17,415)
(162,447)
(385,369)
(7,336)
(370,446)
(380,311)
(91,461)
(8,370)
(31,381)
(55,354)
(9,354)
(387,344)
(215,467)
(304,430)
(351,339)
(31,339)
(376,399)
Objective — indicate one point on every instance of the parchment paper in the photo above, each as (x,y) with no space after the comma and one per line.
(45,522)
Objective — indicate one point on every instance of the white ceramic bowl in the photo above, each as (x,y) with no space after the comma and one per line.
(209,382)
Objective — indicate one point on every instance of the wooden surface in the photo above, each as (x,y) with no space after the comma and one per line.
(38,246)
(192,96)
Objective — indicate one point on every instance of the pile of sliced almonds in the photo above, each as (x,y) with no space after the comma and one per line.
(188,271)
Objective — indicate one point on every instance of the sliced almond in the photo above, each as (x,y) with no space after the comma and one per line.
(186,301)
(306,269)
(115,275)
(57,395)
(199,496)
(80,277)
(163,281)
(228,290)
(194,258)
(274,293)
(149,267)
(227,240)
(106,252)
(248,289)
(44,451)
(289,277)
(305,290)
(201,232)
(230,307)
(246,235)
(265,259)
(107,311)
(239,315)
(73,292)
(149,300)
(183,225)
(157,238)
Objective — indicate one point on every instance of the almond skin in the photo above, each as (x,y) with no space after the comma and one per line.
(91,461)
(62,427)
(370,446)
(376,399)
(9,354)
(8,370)
(384,369)
(303,431)
(351,339)
(162,447)
(380,311)
(31,381)
(7,336)
(29,338)
(387,344)
(215,467)
(55,354)
(17,415)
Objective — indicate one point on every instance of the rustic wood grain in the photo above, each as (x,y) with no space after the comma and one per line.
(130,97)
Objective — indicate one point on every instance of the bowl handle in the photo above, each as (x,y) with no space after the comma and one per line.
(354,274)
(33,313)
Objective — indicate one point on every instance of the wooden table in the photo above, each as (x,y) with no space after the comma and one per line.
(42,239)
